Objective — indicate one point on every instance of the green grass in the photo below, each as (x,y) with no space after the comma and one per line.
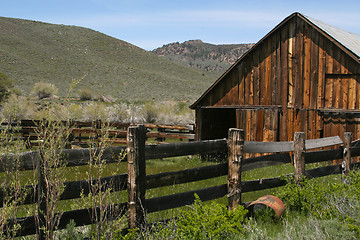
(76,57)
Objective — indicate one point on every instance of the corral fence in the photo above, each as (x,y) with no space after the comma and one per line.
(136,182)
(113,133)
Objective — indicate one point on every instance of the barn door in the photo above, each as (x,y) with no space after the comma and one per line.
(259,124)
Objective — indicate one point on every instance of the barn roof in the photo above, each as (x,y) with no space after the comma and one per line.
(347,41)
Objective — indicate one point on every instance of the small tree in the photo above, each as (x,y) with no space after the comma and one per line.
(44,90)
(5,85)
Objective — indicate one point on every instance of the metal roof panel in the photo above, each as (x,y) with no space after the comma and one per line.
(348,39)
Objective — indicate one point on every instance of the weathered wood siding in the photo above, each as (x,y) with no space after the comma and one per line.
(300,70)
(295,67)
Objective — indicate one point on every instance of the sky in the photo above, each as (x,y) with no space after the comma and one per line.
(151,24)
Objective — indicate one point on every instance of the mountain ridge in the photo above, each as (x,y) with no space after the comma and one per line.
(204,56)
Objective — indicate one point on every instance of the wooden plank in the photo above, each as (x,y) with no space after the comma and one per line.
(251,82)
(81,217)
(299,160)
(170,135)
(265,161)
(299,64)
(337,93)
(322,142)
(291,65)
(278,79)
(314,68)
(283,126)
(323,171)
(260,125)
(290,123)
(346,163)
(185,198)
(262,75)
(312,123)
(352,93)
(307,66)
(136,175)
(267,126)
(284,67)
(186,148)
(185,176)
(236,146)
(273,81)
(241,84)
(264,183)
(268,147)
(357,100)
(324,155)
(321,74)
(73,189)
(256,77)
(329,92)
(247,83)
(267,69)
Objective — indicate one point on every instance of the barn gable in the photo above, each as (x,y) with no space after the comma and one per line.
(288,80)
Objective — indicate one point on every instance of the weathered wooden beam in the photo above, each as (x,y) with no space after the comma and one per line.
(322,142)
(185,198)
(261,184)
(323,171)
(136,175)
(346,163)
(185,176)
(81,217)
(265,161)
(268,147)
(323,155)
(186,148)
(236,152)
(299,159)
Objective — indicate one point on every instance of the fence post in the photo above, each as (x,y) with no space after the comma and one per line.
(42,197)
(345,166)
(299,160)
(235,147)
(136,175)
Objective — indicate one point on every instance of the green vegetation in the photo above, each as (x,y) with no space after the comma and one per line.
(5,85)
(85,94)
(39,52)
(165,112)
(44,90)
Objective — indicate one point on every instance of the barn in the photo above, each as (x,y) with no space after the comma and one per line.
(303,76)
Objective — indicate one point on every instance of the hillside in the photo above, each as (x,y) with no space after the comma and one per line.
(203,56)
(33,51)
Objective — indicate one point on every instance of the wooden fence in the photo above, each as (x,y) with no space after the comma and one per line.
(114,133)
(136,182)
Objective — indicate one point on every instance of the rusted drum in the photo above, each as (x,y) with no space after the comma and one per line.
(271,201)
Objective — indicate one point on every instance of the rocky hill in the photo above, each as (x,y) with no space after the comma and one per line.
(204,56)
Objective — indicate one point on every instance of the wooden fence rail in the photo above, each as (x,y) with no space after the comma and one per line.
(98,131)
(136,182)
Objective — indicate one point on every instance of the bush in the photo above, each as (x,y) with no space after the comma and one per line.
(5,85)
(212,221)
(86,94)
(44,90)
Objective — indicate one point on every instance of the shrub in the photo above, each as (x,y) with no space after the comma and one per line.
(5,85)
(44,90)
(85,94)
(212,221)
(17,107)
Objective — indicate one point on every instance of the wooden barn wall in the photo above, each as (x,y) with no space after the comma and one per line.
(288,68)
(300,70)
